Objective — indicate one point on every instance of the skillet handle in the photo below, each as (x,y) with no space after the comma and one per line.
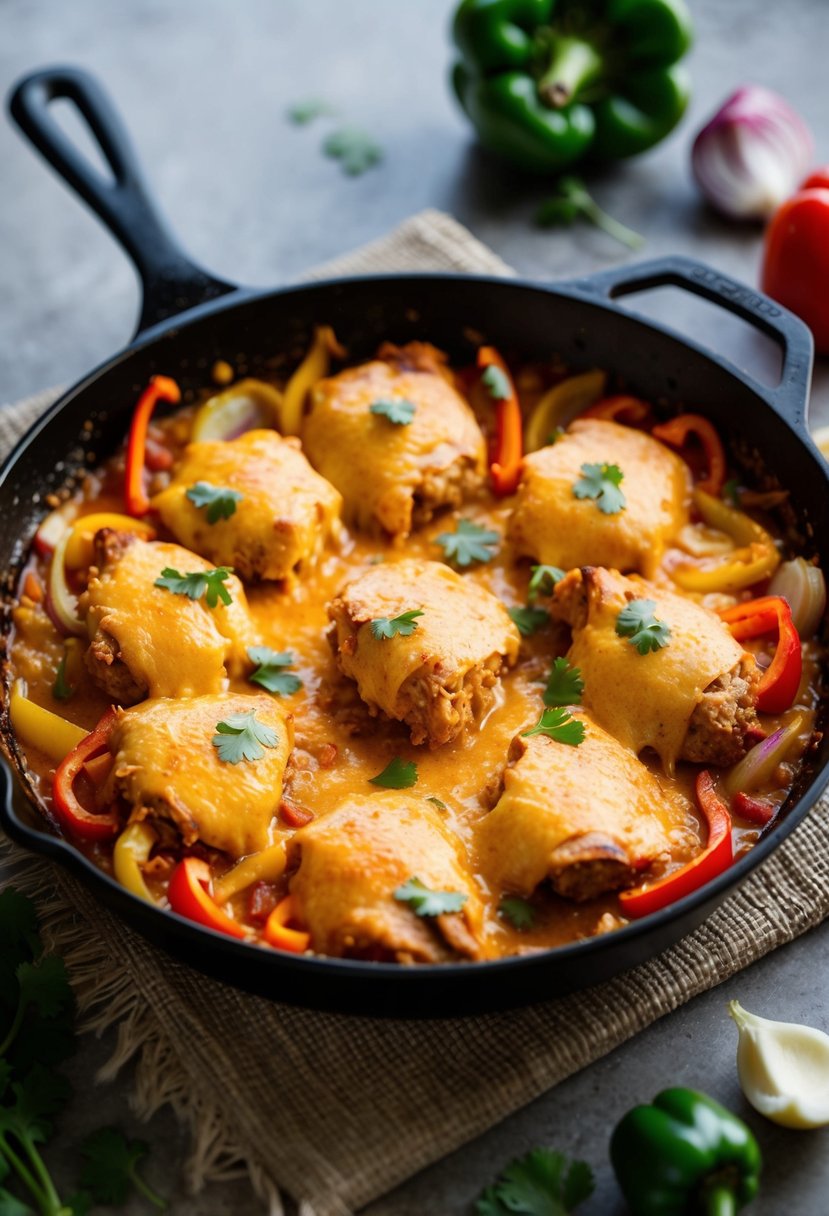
(789,398)
(171,282)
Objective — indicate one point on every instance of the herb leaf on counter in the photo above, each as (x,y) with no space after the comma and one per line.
(207,583)
(564,685)
(270,673)
(303,112)
(468,544)
(243,737)
(403,625)
(601,482)
(425,902)
(543,581)
(220,501)
(398,774)
(560,725)
(637,622)
(543,1183)
(528,620)
(110,1169)
(398,410)
(354,148)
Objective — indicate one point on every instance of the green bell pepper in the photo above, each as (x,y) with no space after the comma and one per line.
(549,82)
(685,1155)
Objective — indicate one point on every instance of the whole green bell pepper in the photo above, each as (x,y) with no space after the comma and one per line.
(685,1155)
(549,82)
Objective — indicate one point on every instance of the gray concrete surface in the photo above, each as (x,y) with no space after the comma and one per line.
(204,85)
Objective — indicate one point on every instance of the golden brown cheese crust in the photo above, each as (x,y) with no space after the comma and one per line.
(441,678)
(147,641)
(166,766)
(348,865)
(590,818)
(286,516)
(394,477)
(694,699)
(550,524)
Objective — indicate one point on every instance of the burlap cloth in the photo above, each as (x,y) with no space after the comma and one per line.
(333,1110)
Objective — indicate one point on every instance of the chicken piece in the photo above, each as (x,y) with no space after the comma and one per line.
(590,818)
(283,520)
(167,767)
(550,524)
(349,863)
(695,699)
(147,641)
(440,678)
(395,476)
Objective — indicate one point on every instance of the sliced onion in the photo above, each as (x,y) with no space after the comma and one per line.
(803,586)
(53,527)
(246,406)
(62,605)
(757,765)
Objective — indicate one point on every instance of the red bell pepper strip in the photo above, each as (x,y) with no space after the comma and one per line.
(676,433)
(508,449)
(755,618)
(189,893)
(71,815)
(755,810)
(160,388)
(277,932)
(713,860)
(623,409)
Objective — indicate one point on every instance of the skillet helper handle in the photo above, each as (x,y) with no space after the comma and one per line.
(789,397)
(171,282)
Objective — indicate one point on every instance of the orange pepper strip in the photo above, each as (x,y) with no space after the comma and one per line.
(781,680)
(72,816)
(713,860)
(627,410)
(277,933)
(676,434)
(189,893)
(160,388)
(508,450)
(33,588)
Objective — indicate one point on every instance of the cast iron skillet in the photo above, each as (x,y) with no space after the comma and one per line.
(189,319)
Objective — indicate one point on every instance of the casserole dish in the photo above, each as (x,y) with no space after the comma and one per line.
(189,319)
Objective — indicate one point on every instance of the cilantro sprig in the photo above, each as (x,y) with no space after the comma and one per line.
(303,112)
(425,902)
(402,626)
(543,1183)
(397,410)
(528,620)
(219,501)
(497,383)
(601,482)
(640,626)
(468,544)
(519,912)
(543,581)
(354,149)
(207,583)
(110,1168)
(564,685)
(560,725)
(243,737)
(399,774)
(270,672)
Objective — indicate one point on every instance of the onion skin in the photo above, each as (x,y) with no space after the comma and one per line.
(758,764)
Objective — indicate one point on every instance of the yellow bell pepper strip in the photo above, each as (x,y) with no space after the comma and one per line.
(315,366)
(756,557)
(160,388)
(190,894)
(131,852)
(278,934)
(40,728)
(69,811)
(61,604)
(267,866)
(508,446)
(629,411)
(771,614)
(677,432)
(560,405)
(247,406)
(78,549)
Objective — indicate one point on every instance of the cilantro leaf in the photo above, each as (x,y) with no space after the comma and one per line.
(497,383)
(554,436)
(303,112)
(564,685)
(637,622)
(403,625)
(62,690)
(528,620)
(354,148)
(543,1183)
(44,985)
(110,1169)
(243,737)
(601,482)
(468,544)
(10,1205)
(269,672)
(437,802)
(425,902)
(543,581)
(519,912)
(220,502)
(397,409)
(207,583)
(560,725)
(398,774)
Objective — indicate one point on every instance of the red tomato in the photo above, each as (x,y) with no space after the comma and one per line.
(796,257)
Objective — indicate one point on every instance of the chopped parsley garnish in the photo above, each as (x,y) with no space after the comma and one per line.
(220,502)
(243,737)
(207,583)
(424,902)
(528,620)
(354,149)
(403,625)
(398,774)
(437,802)
(731,492)
(303,112)
(110,1168)
(397,409)
(543,581)
(554,436)
(560,725)
(519,912)
(497,383)
(270,671)
(62,690)
(637,622)
(544,1183)
(564,685)
(468,544)
(601,482)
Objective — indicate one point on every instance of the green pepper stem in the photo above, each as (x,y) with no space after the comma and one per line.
(720,1201)
(574,63)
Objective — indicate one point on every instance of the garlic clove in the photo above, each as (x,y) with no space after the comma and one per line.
(783,1069)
